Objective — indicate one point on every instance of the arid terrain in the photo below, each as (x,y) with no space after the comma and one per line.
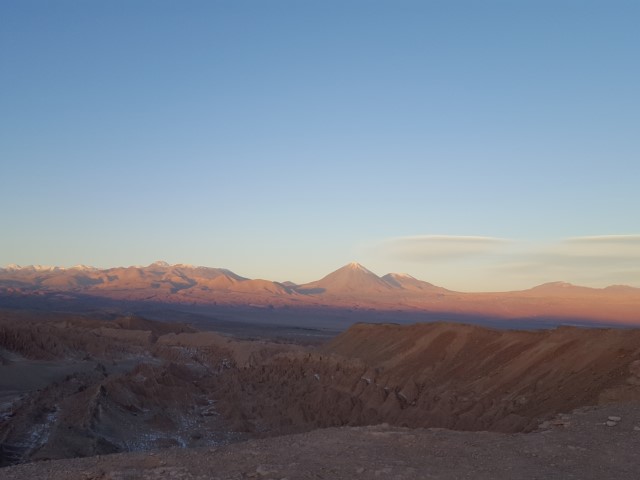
(579,445)
(95,384)
(281,240)
(348,295)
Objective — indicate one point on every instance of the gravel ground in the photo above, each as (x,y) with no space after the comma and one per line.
(590,443)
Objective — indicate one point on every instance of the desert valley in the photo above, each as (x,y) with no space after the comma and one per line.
(208,365)
(212,167)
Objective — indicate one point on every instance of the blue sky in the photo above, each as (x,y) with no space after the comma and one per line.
(282,139)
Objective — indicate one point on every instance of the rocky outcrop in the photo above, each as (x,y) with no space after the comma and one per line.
(434,375)
(127,390)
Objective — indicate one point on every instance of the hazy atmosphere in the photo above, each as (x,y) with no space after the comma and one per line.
(475,145)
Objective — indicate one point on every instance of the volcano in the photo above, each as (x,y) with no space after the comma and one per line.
(350,279)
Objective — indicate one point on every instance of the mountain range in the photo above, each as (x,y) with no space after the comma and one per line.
(353,286)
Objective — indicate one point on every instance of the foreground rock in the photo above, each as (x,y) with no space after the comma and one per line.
(86,386)
(583,449)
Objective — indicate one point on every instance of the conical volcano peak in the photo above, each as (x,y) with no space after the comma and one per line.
(357,266)
(357,269)
(353,277)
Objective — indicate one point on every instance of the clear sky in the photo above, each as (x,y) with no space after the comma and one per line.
(478,145)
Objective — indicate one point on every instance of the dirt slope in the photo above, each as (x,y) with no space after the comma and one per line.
(581,446)
(467,377)
(433,375)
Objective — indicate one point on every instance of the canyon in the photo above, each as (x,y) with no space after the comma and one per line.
(87,385)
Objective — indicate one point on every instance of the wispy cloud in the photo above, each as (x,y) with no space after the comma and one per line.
(602,246)
(589,260)
(433,247)
(596,260)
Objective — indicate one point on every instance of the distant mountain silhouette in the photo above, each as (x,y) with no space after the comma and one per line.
(350,286)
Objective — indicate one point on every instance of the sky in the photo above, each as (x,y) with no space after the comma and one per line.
(489,145)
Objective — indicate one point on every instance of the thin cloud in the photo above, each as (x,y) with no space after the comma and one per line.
(434,247)
(597,247)
(618,239)
(588,260)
